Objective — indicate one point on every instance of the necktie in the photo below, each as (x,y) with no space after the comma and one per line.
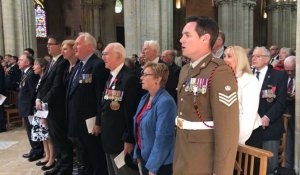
(22,75)
(77,75)
(257,74)
(290,86)
(51,65)
(109,79)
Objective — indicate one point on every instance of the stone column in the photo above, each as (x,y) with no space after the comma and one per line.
(2,51)
(9,26)
(235,19)
(281,23)
(27,25)
(148,20)
(297,119)
(90,10)
(107,22)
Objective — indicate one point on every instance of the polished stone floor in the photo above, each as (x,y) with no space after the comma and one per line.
(11,160)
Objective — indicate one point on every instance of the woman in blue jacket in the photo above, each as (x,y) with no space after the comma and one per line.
(154,123)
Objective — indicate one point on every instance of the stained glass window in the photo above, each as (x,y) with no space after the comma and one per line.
(40,19)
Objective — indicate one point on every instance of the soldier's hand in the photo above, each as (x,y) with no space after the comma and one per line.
(150,173)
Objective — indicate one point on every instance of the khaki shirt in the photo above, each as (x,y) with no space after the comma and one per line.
(208,151)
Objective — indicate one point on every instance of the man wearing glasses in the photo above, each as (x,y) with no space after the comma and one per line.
(272,103)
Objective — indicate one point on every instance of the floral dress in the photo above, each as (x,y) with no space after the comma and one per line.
(39,131)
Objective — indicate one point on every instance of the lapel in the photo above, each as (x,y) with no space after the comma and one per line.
(118,85)
(154,100)
(25,77)
(119,78)
(267,79)
(53,67)
(203,64)
(86,69)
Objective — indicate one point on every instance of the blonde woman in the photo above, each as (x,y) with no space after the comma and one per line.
(248,94)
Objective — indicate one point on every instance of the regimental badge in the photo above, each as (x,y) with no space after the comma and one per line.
(85,78)
(196,85)
(227,88)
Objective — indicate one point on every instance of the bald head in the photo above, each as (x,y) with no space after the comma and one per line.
(168,56)
(113,55)
(290,66)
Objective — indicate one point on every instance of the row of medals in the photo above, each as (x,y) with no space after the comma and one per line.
(196,85)
(269,95)
(115,96)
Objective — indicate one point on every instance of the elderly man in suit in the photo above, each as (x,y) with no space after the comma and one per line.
(208,113)
(118,108)
(290,69)
(2,90)
(84,96)
(274,51)
(26,97)
(272,85)
(12,74)
(168,56)
(52,91)
(219,48)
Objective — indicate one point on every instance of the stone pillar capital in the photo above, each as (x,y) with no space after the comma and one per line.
(250,4)
(282,6)
(98,3)
(220,3)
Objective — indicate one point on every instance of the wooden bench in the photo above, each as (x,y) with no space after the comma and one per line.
(247,154)
(12,113)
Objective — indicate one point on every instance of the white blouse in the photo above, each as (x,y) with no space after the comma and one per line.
(248,94)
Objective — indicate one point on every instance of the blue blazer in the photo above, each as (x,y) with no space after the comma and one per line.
(157,130)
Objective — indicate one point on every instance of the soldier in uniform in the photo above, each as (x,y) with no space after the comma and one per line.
(207,122)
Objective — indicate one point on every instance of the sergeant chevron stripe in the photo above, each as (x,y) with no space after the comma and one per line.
(228,100)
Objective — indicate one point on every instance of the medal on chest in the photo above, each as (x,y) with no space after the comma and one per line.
(196,85)
(115,96)
(269,94)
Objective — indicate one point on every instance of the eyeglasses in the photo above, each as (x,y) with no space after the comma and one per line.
(259,56)
(51,44)
(145,74)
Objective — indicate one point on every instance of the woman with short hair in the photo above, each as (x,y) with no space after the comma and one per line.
(154,122)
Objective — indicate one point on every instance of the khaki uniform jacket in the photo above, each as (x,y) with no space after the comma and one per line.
(208,151)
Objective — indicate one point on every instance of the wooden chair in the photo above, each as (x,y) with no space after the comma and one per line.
(282,146)
(12,113)
(248,153)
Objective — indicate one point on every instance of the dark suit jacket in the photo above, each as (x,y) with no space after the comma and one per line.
(2,84)
(13,77)
(275,109)
(26,95)
(172,82)
(117,124)
(84,101)
(52,90)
